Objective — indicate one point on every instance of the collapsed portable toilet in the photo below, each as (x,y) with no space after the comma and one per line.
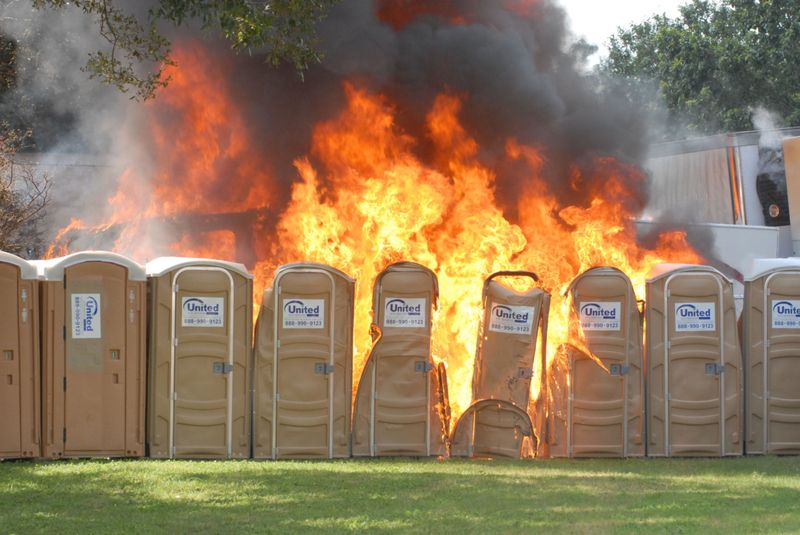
(771,329)
(201,328)
(504,364)
(19,359)
(93,355)
(694,364)
(605,394)
(400,406)
(303,377)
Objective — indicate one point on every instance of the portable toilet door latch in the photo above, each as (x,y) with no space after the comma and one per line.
(423,367)
(222,368)
(525,373)
(323,369)
(714,369)
(619,369)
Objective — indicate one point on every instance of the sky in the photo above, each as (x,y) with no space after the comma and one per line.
(597,20)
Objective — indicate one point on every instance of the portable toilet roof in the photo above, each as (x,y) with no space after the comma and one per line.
(27,269)
(664,270)
(165,264)
(53,269)
(759,268)
(20,396)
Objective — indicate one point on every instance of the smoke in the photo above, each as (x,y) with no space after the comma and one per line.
(512,61)
(768,124)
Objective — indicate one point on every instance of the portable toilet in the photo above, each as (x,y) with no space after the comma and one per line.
(201,328)
(504,364)
(93,355)
(771,328)
(400,406)
(694,364)
(20,427)
(304,338)
(605,394)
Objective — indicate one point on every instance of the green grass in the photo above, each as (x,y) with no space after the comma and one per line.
(752,495)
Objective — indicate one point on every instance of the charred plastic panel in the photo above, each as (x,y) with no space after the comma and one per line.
(771,328)
(505,364)
(200,366)
(605,396)
(311,308)
(399,409)
(19,360)
(694,364)
(93,352)
(502,421)
(771,187)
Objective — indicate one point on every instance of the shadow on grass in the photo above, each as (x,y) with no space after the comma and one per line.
(409,496)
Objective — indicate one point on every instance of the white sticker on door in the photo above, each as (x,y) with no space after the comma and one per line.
(203,312)
(404,312)
(86,316)
(695,317)
(785,314)
(600,316)
(303,313)
(511,319)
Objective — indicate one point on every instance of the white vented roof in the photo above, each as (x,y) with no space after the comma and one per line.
(664,270)
(313,265)
(53,269)
(27,270)
(763,266)
(165,264)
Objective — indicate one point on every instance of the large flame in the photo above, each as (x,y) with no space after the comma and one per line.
(364,200)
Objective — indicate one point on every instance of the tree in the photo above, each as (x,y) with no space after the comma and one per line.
(285,28)
(24,195)
(715,63)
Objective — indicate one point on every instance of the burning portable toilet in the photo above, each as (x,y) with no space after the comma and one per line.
(93,355)
(400,405)
(20,427)
(504,367)
(771,328)
(605,395)
(304,338)
(200,345)
(694,364)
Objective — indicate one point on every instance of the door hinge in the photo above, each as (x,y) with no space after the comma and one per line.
(277,451)
(222,368)
(65,435)
(767,395)
(175,288)
(620,369)
(423,367)
(374,448)
(65,282)
(570,450)
(175,342)
(278,344)
(65,384)
(668,293)
(768,291)
(277,397)
(470,450)
(714,369)
(323,369)
(766,447)
(175,396)
(375,395)
(669,397)
(279,290)
(174,450)
(766,343)
(669,344)
(65,332)
(669,448)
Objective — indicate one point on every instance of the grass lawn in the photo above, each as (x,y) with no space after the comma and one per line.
(752,495)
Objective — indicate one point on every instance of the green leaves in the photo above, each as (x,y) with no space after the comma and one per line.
(282,28)
(716,62)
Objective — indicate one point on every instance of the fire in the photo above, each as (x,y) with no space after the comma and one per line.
(364,199)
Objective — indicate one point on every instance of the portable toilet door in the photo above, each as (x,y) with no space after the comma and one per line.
(200,347)
(606,398)
(771,328)
(504,363)
(93,355)
(694,364)
(399,406)
(19,361)
(311,308)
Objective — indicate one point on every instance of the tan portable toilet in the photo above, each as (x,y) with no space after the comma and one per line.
(399,406)
(20,376)
(93,355)
(310,307)
(604,400)
(513,421)
(771,328)
(201,328)
(504,362)
(694,364)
